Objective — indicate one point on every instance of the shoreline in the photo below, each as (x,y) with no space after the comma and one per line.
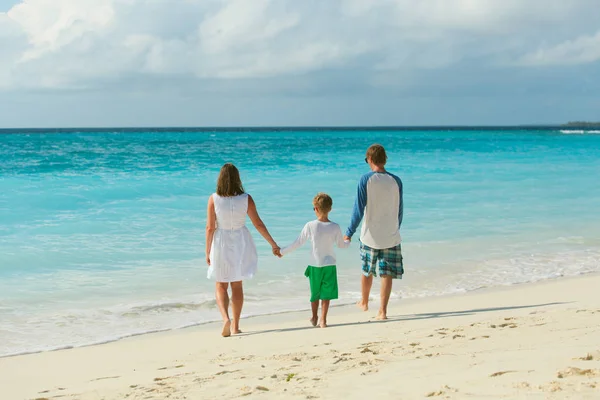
(216,321)
(452,344)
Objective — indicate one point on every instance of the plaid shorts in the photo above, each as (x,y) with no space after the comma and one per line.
(388,260)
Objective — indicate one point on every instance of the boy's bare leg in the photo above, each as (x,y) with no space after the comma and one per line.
(223,304)
(386,291)
(314,305)
(237,302)
(324,309)
(365,283)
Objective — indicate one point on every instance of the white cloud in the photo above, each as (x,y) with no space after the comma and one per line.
(585,49)
(84,43)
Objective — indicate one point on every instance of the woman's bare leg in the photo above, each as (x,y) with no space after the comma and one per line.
(223,304)
(237,302)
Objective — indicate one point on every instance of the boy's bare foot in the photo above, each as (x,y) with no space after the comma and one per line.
(323,324)
(226,329)
(362,306)
(313,321)
(381,316)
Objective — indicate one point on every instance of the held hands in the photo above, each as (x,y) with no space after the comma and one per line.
(277,251)
(347,239)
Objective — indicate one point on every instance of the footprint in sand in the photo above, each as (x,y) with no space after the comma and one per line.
(500,373)
(434,394)
(368,350)
(590,356)
(574,371)
(101,379)
(442,392)
(227,372)
(552,387)
(177,366)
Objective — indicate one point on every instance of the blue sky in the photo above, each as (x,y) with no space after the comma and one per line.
(66,63)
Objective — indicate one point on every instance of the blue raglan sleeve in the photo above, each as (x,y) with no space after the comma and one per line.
(359,205)
(401,205)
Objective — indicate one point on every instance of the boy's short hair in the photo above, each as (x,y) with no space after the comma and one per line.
(376,153)
(323,202)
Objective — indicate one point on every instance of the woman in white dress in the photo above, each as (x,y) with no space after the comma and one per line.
(230,250)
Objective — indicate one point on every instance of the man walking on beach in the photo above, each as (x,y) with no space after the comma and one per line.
(379,200)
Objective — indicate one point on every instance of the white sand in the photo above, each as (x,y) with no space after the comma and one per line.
(529,341)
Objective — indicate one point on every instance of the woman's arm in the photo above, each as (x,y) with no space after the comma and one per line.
(259,225)
(211,226)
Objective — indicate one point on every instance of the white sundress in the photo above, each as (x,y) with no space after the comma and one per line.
(233,254)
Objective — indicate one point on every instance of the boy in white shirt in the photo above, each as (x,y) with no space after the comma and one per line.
(322,272)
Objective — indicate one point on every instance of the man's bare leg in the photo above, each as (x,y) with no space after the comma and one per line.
(223,304)
(237,302)
(365,283)
(314,305)
(324,310)
(386,291)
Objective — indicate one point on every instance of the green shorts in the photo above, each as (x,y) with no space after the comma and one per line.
(323,282)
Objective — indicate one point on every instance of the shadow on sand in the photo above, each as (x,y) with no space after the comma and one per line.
(411,317)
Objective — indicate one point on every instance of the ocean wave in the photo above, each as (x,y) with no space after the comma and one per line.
(169,307)
(572,132)
(578,132)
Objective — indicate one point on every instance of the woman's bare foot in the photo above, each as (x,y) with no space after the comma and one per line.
(381,316)
(362,306)
(313,321)
(226,329)
(323,324)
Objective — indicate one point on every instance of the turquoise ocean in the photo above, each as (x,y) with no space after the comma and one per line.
(102,233)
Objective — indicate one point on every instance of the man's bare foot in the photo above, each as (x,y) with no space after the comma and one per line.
(313,321)
(381,316)
(226,329)
(362,306)
(323,324)
(236,332)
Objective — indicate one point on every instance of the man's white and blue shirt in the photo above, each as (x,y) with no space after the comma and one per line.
(379,201)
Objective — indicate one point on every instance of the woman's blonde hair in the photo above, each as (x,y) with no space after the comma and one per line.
(229,183)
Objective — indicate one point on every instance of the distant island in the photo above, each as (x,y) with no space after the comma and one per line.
(581,124)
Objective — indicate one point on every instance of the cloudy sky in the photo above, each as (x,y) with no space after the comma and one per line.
(66,63)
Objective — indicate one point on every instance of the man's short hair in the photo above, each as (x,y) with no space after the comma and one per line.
(376,153)
(323,202)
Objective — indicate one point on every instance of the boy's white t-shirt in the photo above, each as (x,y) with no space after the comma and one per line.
(322,235)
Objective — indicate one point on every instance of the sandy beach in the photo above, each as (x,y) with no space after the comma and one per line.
(527,341)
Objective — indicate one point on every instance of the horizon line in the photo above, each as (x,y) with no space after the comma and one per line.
(291,127)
